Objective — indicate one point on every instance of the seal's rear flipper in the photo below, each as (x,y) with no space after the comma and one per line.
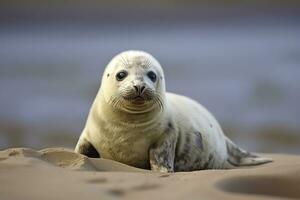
(239,157)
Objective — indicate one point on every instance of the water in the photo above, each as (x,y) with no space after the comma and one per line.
(246,74)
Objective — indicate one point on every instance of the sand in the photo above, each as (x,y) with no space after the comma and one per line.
(58,173)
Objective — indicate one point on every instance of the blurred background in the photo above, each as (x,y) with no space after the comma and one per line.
(240,59)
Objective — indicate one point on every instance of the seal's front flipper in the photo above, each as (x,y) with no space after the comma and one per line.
(162,155)
(86,148)
(239,157)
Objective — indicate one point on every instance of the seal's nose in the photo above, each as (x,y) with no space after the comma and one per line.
(139,88)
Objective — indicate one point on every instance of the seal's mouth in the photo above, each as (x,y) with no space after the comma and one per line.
(138,100)
(138,97)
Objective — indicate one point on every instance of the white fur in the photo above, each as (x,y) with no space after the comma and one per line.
(126,134)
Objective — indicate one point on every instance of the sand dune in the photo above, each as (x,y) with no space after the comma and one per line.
(58,173)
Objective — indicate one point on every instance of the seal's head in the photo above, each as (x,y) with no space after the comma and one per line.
(133,81)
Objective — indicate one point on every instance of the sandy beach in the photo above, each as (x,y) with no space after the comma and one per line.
(58,173)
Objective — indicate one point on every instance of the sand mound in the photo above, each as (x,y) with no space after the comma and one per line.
(66,158)
(58,173)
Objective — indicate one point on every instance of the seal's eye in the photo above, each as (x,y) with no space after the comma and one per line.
(152,76)
(121,75)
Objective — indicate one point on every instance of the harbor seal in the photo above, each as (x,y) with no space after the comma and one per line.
(134,120)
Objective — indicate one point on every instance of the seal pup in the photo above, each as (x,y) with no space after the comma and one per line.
(134,120)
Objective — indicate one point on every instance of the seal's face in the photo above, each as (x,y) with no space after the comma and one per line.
(133,81)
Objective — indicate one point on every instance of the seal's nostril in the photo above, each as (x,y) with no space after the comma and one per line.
(142,89)
(139,89)
(136,88)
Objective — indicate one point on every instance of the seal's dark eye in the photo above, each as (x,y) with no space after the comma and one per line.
(152,76)
(121,75)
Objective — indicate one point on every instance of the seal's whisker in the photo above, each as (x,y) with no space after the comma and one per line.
(148,63)
(114,100)
(161,101)
(158,101)
(120,102)
(124,61)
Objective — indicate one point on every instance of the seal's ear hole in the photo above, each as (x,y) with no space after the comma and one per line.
(107,75)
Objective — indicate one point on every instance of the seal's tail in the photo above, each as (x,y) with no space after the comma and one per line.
(239,157)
